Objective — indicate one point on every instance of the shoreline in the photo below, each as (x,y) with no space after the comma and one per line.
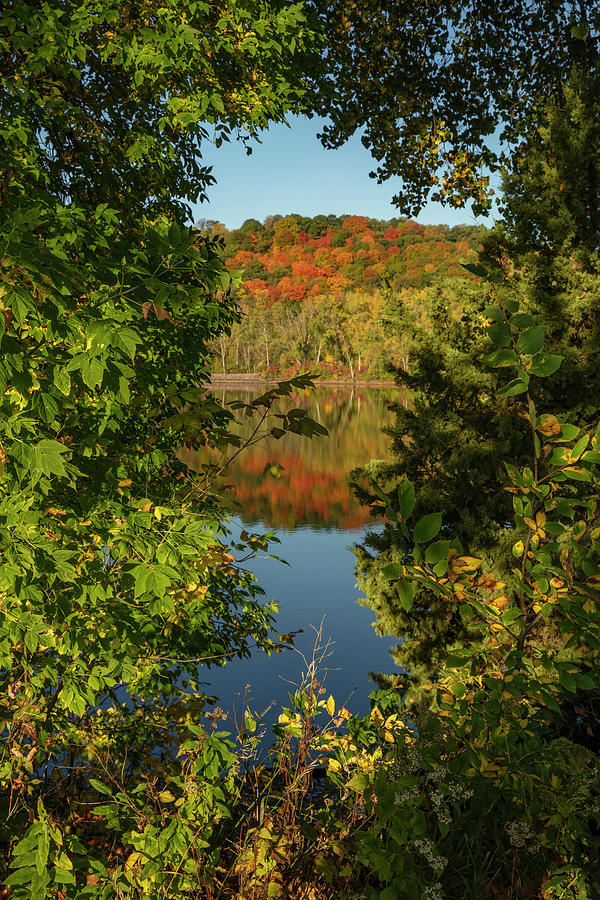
(220,379)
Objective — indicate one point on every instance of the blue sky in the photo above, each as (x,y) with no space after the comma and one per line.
(290,172)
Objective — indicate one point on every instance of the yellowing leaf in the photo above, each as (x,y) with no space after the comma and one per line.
(465,564)
(330,705)
(548,425)
(375,715)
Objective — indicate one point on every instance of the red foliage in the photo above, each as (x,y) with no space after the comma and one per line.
(413,228)
(292,289)
(296,266)
(392,234)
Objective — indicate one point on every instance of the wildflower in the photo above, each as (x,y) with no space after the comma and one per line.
(427,848)
(521,836)
(406,795)
(437,798)
(414,760)
(395,771)
(444,816)
(458,792)
(434,892)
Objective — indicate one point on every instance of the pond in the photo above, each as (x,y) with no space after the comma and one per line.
(317,519)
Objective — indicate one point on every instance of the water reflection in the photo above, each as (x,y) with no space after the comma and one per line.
(314,488)
(318,520)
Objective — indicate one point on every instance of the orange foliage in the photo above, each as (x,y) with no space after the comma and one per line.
(301,495)
(290,260)
(292,289)
(355,224)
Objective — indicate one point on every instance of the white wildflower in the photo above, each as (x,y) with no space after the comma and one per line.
(444,816)
(521,836)
(434,892)
(427,848)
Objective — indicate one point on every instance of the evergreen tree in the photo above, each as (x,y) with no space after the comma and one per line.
(452,440)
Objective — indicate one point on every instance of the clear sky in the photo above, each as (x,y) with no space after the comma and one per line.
(290,172)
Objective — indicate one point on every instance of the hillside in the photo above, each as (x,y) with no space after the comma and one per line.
(320,292)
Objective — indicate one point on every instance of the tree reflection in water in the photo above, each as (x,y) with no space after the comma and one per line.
(314,486)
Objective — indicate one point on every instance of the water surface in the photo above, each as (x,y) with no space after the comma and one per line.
(317,519)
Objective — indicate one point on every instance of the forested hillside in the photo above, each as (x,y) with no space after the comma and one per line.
(320,291)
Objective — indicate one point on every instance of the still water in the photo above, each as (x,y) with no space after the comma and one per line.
(317,520)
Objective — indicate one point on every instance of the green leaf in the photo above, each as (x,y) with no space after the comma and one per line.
(532,340)
(437,551)
(427,527)
(406,594)
(575,473)
(568,432)
(580,31)
(62,381)
(392,571)
(475,269)
(21,876)
(545,364)
(511,615)
(499,358)
(580,446)
(358,783)
(92,372)
(406,499)
(585,682)
(499,334)
(48,458)
(514,387)
(273,469)
(520,320)
(567,680)
(47,408)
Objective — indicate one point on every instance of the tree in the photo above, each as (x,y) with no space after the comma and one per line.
(453,441)
(551,194)
(115,564)
(513,710)
(430,85)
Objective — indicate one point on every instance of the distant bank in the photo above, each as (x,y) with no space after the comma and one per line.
(251,379)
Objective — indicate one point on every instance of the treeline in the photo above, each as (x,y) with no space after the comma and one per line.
(321,292)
